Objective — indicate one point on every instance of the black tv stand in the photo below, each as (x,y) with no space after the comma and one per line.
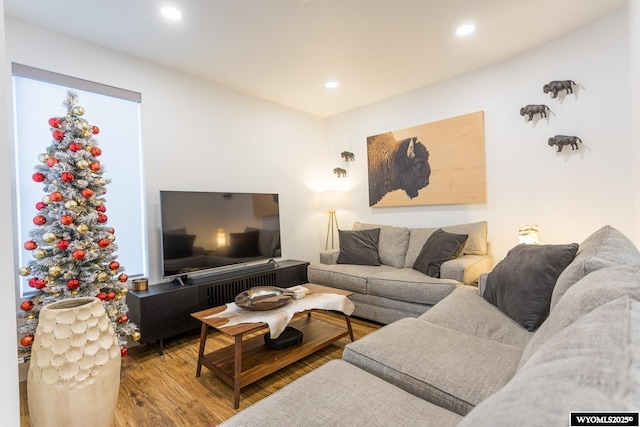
(164,310)
(232,272)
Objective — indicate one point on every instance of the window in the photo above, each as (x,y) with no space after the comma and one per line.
(38,96)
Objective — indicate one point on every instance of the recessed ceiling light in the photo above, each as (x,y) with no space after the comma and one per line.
(465,30)
(332,84)
(171,13)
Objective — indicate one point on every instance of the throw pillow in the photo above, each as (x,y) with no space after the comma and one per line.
(439,247)
(177,245)
(242,245)
(359,247)
(521,285)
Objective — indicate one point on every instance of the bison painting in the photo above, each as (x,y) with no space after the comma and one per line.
(396,165)
(533,109)
(340,172)
(561,140)
(557,86)
(348,156)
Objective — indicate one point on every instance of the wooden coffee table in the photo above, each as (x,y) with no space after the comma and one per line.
(247,361)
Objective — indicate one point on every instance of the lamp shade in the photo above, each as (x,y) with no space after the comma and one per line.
(528,234)
(333,200)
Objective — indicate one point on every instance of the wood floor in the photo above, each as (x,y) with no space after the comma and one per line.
(162,390)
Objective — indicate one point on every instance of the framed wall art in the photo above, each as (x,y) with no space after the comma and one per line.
(437,163)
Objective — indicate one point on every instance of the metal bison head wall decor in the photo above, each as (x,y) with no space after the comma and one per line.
(396,165)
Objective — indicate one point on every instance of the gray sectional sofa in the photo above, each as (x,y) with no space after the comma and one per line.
(393,289)
(465,362)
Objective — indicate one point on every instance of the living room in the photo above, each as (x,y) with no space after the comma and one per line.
(198,134)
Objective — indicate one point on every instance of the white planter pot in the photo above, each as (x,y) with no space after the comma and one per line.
(74,374)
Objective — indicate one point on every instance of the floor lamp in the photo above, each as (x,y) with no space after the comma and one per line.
(332,201)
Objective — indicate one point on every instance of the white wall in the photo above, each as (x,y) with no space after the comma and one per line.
(197,135)
(568,194)
(10,402)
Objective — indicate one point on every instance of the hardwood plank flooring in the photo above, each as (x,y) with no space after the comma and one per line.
(163,390)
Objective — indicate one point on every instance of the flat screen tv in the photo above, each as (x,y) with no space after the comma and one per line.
(207,231)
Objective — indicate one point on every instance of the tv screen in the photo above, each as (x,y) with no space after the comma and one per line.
(204,231)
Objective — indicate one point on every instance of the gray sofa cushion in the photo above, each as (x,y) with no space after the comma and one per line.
(463,308)
(606,247)
(407,284)
(392,245)
(340,394)
(451,369)
(476,243)
(522,283)
(344,276)
(359,247)
(592,365)
(592,291)
(441,246)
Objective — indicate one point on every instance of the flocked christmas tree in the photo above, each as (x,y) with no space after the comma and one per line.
(73,248)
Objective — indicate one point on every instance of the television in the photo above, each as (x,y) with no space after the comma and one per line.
(206,233)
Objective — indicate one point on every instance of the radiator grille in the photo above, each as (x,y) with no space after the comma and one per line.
(222,293)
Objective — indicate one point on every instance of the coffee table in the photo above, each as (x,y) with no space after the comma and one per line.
(249,360)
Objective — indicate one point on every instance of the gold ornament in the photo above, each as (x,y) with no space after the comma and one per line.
(78,110)
(43,157)
(49,237)
(24,271)
(31,316)
(46,200)
(70,204)
(88,147)
(82,228)
(124,291)
(55,270)
(39,253)
(102,276)
(111,237)
(136,336)
(74,292)
(82,164)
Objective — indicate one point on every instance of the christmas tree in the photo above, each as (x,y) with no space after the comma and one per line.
(73,248)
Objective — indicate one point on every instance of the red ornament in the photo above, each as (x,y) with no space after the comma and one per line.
(124,351)
(103,243)
(66,219)
(112,230)
(87,192)
(102,296)
(52,161)
(95,130)
(39,220)
(74,146)
(30,245)
(123,278)
(39,283)
(54,122)
(55,196)
(73,284)
(96,151)
(58,135)
(123,319)
(26,305)
(111,296)
(102,218)
(101,208)
(95,166)
(32,282)
(66,176)
(78,254)
(27,340)
(38,177)
(40,205)
(114,265)
(63,244)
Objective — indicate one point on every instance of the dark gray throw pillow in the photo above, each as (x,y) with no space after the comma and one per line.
(177,245)
(359,247)
(244,245)
(521,285)
(441,246)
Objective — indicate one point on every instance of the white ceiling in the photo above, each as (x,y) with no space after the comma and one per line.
(285,50)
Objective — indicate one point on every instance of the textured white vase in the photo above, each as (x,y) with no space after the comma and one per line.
(74,373)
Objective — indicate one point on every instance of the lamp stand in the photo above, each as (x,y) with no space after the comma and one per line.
(332,220)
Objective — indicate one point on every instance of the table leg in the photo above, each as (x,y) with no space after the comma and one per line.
(349,327)
(237,369)
(203,340)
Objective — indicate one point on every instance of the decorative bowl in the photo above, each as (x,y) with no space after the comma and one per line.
(263,298)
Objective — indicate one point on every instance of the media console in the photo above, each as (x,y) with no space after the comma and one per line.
(164,310)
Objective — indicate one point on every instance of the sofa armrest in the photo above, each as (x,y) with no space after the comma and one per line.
(330,256)
(467,268)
